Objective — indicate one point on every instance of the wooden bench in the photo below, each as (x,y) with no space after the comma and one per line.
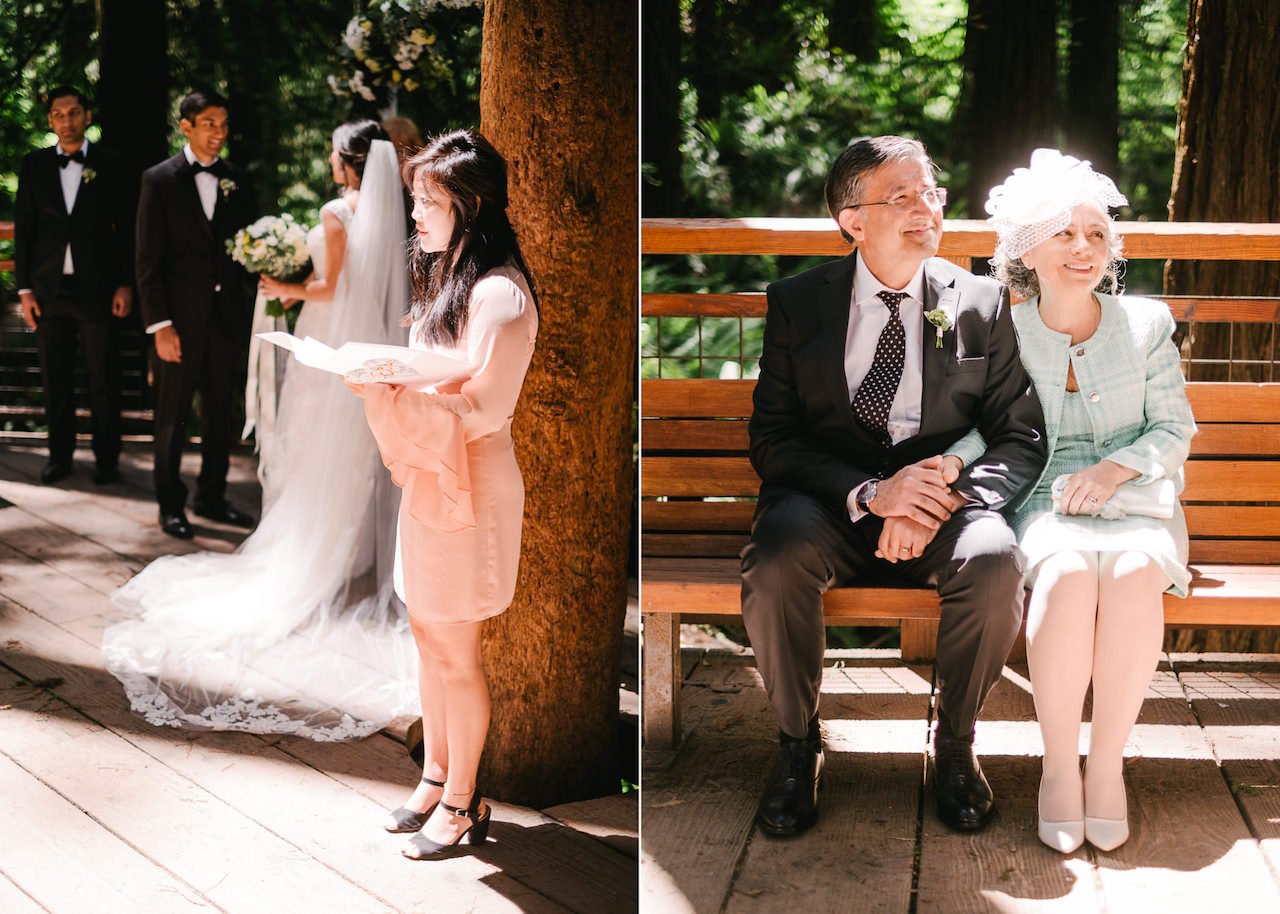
(699,490)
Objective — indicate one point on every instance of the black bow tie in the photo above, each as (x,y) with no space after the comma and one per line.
(65,160)
(217,169)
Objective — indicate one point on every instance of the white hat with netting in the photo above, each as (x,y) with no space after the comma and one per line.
(1034,204)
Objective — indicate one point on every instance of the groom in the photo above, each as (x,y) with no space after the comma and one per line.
(197,305)
(874,369)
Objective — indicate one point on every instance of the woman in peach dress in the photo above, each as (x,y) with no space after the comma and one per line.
(449,448)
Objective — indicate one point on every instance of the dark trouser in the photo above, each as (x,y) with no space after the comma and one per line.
(56,336)
(799,550)
(209,365)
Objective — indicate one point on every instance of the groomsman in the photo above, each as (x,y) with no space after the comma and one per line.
(197,305)
(72,265)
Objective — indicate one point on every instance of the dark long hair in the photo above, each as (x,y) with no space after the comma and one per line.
(473,175)
(352,139)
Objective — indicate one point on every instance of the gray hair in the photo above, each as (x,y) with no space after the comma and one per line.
(844,183)
(1023,281)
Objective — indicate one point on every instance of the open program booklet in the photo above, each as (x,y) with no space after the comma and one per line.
(370,363)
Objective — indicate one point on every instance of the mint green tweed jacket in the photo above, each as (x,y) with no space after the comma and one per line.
(1130,376)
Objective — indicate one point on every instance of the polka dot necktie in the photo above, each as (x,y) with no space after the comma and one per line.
(875,396)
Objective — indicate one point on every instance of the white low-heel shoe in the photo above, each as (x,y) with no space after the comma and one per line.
(1106,834)
(1063,837)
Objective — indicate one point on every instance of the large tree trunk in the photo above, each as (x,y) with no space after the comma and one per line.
(133,84)
(1225,170)
(663,188)
(1093,97)
(558,99)
(1011,70)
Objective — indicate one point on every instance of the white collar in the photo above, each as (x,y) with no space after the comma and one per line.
(84,147)
(866,285)
(191,156)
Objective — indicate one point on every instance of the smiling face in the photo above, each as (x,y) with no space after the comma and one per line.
(1074,259)
(68,119)
(895,239)
(433,215)
(207,134)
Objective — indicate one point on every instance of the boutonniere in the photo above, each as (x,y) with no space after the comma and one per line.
(943,316)
(87,175)
(941,320)
(226,185)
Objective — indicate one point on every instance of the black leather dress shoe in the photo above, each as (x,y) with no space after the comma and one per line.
(226,513)
(54,471)
(175,524)
(964,797)
(105,475)
(789,805)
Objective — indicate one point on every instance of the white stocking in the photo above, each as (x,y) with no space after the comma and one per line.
(1127,645)
(1060,633)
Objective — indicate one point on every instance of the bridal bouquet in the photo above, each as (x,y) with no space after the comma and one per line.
(274,245)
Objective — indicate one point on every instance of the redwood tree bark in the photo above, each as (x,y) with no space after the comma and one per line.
(1010,104)
(558,99)
(1225,170)
(1225,165)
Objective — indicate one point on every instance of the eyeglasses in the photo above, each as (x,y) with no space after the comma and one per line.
(933,197)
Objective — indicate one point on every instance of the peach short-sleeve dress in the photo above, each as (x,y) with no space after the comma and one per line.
(449,448)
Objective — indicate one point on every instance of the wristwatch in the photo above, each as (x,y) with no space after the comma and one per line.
(867,494)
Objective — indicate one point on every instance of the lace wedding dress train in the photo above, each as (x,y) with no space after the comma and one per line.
(299,630)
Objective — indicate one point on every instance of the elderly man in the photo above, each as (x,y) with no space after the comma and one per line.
(875,370)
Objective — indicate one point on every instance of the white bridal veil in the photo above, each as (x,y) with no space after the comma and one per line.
(298,631)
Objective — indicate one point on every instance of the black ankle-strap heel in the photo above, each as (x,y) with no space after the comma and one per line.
(421,847)
(406,820)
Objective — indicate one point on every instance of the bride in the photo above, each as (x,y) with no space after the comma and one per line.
(299,630)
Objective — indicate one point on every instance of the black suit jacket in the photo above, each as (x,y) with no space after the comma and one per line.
(803,433)
(99,229)
(182,259)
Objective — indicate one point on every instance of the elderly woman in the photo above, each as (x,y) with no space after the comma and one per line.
(1102,533)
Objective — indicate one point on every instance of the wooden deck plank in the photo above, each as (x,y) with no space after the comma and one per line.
(860,855)
(698,811)
(1189,850)
(250,774)
(62,857)
(614,820)
(524,868)
(15,901)
(164,815)
(1003,868)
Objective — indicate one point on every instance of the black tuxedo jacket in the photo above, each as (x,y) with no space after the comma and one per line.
(184,272)
(803,433)
(99,229)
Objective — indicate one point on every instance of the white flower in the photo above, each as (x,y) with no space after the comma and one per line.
(87,175)
(354,36)
(227,186)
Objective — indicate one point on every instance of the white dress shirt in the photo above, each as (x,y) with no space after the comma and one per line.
(207,188)
(868,316)
(71,176)
(206,184)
